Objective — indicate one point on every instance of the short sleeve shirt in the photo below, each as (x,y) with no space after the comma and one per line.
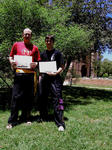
(19,48)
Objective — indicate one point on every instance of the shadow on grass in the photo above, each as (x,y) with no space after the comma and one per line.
(5,98)
(84,96)
(71,96)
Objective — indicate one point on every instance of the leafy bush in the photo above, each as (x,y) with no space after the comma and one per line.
(105,75)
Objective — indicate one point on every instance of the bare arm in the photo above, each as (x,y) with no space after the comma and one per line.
(12,62)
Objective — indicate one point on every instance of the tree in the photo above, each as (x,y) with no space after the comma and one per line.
(94,14)
(42,19)
(15,16)
(106,68)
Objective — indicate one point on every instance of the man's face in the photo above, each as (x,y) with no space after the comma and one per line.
(27,36)
(49,43)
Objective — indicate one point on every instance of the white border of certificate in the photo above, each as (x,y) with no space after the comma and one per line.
(47,66)
(23,61)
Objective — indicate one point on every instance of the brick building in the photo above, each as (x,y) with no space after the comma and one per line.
(84,67)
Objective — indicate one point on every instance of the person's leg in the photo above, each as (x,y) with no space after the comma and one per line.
(15,103)
(28,97)
(43,98)
(56,90)
(14,113)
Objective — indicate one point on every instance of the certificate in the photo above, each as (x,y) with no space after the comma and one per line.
(23,61)
(47,66)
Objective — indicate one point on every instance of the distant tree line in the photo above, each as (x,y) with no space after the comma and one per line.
(106,68)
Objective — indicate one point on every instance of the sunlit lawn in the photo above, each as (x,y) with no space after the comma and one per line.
(88,118)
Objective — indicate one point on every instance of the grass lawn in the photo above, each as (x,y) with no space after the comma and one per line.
(88,118)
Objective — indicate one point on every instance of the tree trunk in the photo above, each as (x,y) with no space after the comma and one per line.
(68,61)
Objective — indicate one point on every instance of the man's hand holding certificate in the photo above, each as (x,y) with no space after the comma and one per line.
(23,61)
(48,67)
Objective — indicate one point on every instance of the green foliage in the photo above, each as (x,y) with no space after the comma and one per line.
(42,20)
(72,37)
(105,75)
(17,15)
(106,68)
(4,62)
(94,15)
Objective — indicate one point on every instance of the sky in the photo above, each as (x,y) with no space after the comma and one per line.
(107,55)
(50,2)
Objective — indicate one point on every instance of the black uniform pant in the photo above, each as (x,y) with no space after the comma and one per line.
(51,85)
(22,96)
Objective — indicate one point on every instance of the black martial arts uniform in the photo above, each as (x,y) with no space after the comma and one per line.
(52,84)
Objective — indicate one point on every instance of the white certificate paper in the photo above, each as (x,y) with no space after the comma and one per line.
(23,61)
(47,66)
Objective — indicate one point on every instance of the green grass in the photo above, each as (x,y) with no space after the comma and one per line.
(88,118)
